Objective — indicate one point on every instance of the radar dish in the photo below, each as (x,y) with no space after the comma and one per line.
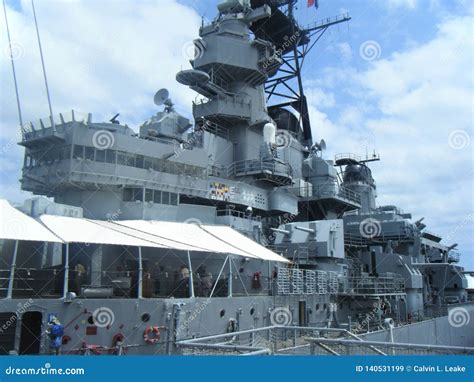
(161,97)
(322,145)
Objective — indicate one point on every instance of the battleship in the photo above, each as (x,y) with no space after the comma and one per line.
(227,233)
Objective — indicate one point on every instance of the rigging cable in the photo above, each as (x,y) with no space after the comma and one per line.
(44,69)
(13,67)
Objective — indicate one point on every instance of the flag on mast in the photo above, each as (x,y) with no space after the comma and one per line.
(313,3)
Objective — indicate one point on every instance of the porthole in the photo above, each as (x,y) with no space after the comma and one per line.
(222,313)
(317,307)
(325,306)
(146,317)
(90,320)
(252,311)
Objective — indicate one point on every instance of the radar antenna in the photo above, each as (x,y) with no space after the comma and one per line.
(162,97)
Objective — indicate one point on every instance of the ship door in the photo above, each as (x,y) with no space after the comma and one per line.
(30,336)
(7,337)
(302,313)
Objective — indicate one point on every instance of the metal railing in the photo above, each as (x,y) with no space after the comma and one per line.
(375,285)
(266,340)
(30,129)
(327,190)
(344,346)
(34,282)
(347,156)
(256,166)
(280,339)
(236,213)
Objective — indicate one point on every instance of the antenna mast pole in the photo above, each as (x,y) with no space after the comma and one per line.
(13,67)
(44,69)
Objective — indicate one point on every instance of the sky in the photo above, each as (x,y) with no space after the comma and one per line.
(397,79)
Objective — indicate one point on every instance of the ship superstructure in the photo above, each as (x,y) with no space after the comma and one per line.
(246,161)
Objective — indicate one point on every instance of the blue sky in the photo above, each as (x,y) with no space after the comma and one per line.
(411,101)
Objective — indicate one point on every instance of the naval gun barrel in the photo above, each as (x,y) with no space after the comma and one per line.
(305,229)
(283,231)
(452,246)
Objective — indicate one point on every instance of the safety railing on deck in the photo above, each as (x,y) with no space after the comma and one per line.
(375,285)
(247,167)
(346,346)
(40,126)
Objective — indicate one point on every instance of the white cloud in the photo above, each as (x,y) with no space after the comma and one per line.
(101,57)
(408,106)
(410,4)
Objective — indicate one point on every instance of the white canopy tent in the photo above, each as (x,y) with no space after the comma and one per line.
(237,240)
(79,230)
(186,237)
(15,225)
(158,234)
(195,236)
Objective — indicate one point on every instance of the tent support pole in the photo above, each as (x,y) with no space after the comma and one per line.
(12,271)
(219,276)
(191,278)
(240,278)
(66,272)
(229,293)
(140,273)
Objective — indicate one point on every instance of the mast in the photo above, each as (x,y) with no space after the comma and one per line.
(20,118)
(295,43)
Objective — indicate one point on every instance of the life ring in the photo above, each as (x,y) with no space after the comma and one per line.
(156,335)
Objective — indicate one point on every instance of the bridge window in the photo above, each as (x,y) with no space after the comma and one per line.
(148,195)
(157,196)
(89,153)
(110,156)
(100,155)
(78,152)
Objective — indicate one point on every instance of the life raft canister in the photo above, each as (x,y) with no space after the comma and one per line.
(151,340)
